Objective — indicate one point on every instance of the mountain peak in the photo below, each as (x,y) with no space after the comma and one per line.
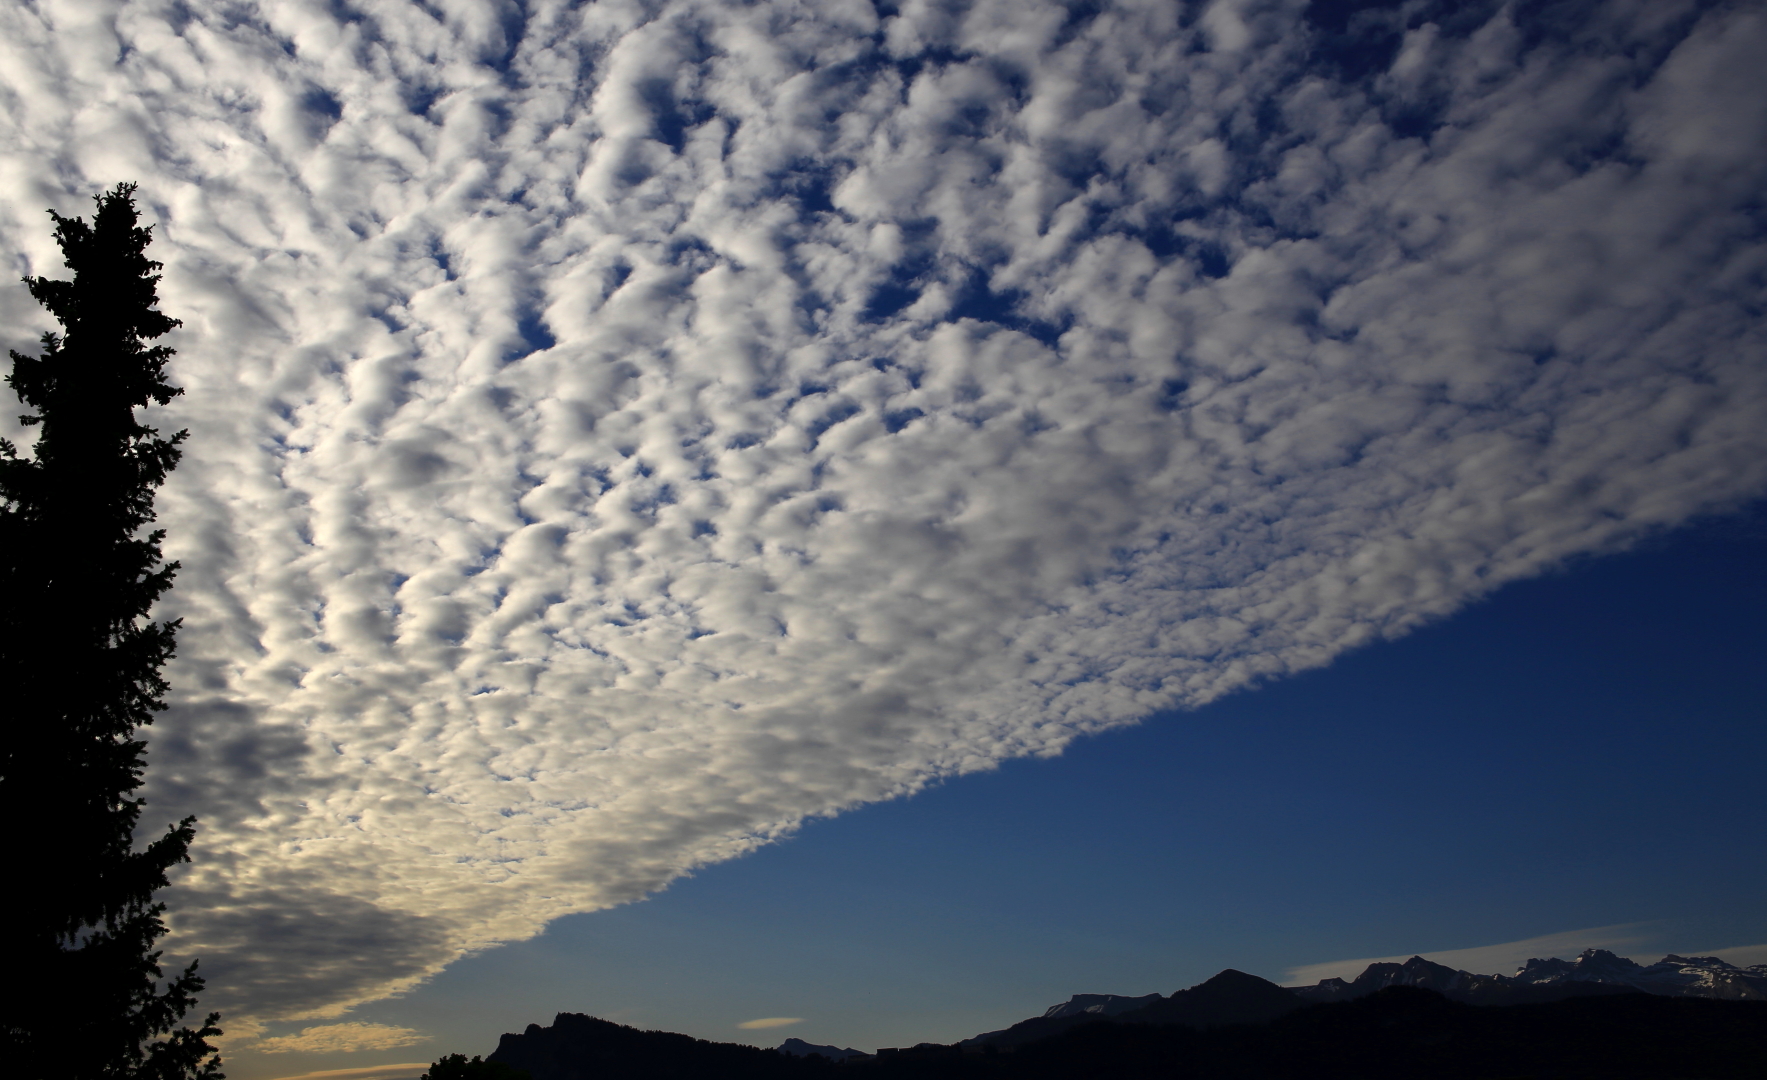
(1230,997)
(799,1048)
(1230,977)
(1098,1005)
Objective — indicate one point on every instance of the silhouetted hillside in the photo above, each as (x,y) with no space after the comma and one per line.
(800,1048)
(578,1047)
(1399,1032)
(1232,997)
(1405,1032)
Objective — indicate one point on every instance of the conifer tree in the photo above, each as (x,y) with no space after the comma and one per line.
(80,670)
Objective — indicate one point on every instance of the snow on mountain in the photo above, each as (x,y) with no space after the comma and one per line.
(1099,1005)
(1674,976)
(1234,997)
(1414,972)
(1542,979)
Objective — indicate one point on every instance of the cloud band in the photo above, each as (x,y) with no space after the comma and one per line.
(621,432)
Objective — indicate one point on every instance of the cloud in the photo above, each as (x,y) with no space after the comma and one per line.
(342,1038)
(769,1022)
(1504,959)
(622,432)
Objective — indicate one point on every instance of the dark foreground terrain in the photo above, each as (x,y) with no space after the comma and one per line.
(1401,1031)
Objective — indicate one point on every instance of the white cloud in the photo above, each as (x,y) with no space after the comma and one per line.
(769,1022)
(623,431)
(342,1038)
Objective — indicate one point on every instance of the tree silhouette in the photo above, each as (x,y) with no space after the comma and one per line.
(80,670)
(456,1067)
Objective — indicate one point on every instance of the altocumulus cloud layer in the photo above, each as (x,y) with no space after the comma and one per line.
(623,430)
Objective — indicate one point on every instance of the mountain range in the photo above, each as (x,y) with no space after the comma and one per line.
(1597,1015)
(1593,971)
(1234,997)
(800,1048)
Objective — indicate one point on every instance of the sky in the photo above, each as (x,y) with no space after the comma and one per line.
(892,515)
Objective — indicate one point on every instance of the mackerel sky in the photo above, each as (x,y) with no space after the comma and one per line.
(625,432)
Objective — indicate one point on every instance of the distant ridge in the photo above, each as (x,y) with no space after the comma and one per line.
(1098,1005)
(578,1047)
(1232,997)
(1397,1033)
(800,1048)
(1597,1015)
(1594,971)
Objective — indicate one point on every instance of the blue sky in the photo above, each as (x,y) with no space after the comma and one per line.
(1578,752)
(840,470)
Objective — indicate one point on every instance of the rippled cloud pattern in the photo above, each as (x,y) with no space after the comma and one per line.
(624,430)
